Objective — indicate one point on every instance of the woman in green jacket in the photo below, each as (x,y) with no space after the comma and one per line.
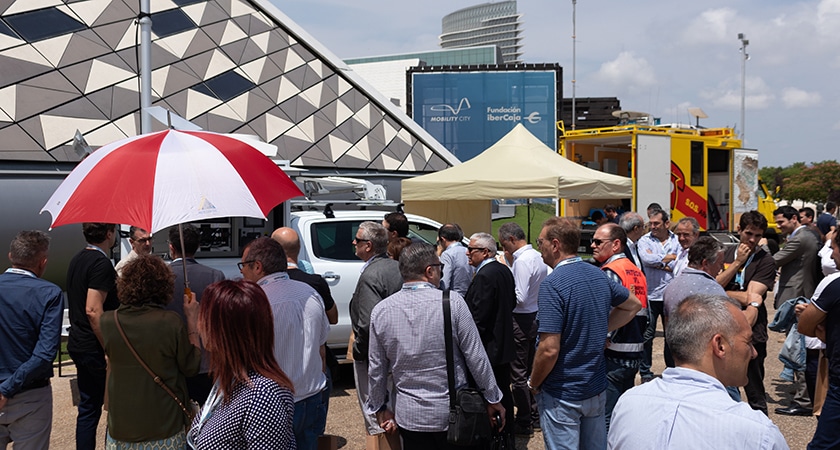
(140,411)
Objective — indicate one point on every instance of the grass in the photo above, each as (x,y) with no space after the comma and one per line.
(63,353)
(539,213)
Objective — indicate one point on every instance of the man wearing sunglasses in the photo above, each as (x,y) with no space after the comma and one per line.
(491,298)
(141,244)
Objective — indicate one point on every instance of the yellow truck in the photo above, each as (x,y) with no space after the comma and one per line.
(696,172)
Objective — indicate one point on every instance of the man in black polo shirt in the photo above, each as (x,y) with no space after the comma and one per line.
(751,271)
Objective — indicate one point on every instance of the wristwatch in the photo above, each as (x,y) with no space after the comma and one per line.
(754,304)
(530,387)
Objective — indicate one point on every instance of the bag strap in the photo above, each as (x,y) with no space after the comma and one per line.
(447,337)
(157,379)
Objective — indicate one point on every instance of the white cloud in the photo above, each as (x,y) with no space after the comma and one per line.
(711,27)
(797,98)
(627,71)
(725,96)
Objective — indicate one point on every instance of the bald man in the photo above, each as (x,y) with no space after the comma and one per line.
(290,241)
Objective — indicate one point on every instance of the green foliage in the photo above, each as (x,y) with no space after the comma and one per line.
(815,183)
(539,213)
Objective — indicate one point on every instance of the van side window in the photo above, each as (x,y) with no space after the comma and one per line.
(334,240)
(423,232)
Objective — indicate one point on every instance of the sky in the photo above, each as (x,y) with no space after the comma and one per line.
(657,57)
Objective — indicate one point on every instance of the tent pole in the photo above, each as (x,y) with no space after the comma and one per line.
(529,220)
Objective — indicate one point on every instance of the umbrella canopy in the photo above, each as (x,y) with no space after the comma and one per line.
(161,179)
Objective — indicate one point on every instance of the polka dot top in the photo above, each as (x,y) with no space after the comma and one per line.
(257,416)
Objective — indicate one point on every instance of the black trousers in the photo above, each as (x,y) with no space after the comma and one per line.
(502,374)
(756,394)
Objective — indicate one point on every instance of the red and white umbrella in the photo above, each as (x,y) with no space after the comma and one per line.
(161,179)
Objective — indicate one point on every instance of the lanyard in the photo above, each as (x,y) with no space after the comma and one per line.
(20,272)
(417,286)
(214,399)
(571,260)
(273,277)
(93,247)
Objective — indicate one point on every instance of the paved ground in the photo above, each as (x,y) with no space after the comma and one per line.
(345,420)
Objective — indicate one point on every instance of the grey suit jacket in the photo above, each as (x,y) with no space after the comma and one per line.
(798,262)
(380,279)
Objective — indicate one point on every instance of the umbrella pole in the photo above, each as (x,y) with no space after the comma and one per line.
(184,259)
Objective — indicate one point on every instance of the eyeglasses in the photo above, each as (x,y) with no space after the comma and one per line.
(598,242)
(243,263)
(144,240)
(539,242)
(357,240)
(472,249)
(441,265)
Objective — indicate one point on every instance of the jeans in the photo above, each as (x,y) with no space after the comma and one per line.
(27,419)
(309,421)
(573,425)
(621,376)
(524,338)
(827,434)
(654,312)
(90,369)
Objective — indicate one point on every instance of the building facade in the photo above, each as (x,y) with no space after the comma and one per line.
(485,24)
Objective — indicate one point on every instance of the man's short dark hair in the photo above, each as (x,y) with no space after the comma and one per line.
(597,215)
(28,248)
(132,230)
(787,211)
(830,206)
(95,232)
(610,208)
(706,248)
(415,258)
(191,240)
(511,229)
(808,211)
(653,207)
(450,232)
(753,219)
(397,222)
(660,212)
(615,232)
(269,252)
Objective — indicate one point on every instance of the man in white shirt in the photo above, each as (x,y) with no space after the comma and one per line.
(141,244)
(529,271)
(712,344)
(300,333)
(687,231)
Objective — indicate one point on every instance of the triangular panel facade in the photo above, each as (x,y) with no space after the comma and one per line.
(226,65)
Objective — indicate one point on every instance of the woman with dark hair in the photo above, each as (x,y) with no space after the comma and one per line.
(396,246)
(251,404)
(142,337)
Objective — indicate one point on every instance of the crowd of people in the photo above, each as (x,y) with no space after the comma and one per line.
(552,341)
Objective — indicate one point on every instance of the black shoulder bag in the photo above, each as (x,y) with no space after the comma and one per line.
(468,421)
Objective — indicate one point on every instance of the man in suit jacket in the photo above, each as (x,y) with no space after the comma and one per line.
(380,278)
(199,276)
(491,298)
(798,262)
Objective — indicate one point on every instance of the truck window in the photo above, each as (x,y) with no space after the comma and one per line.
(334,240)
(697,163)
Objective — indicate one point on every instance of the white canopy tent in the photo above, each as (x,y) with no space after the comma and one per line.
(517,166)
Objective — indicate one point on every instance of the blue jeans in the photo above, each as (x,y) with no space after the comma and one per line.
(827,434)
(309,421)
(621,376)
(90,369)
(573,425)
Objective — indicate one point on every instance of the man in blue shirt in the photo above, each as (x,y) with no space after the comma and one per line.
(688,407)
(30,333)
(578,305)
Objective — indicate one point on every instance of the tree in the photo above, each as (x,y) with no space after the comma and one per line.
(815,183)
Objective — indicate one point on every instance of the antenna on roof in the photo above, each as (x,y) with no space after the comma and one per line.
(698,114)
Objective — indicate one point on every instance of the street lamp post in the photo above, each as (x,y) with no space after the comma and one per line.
(744,58)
